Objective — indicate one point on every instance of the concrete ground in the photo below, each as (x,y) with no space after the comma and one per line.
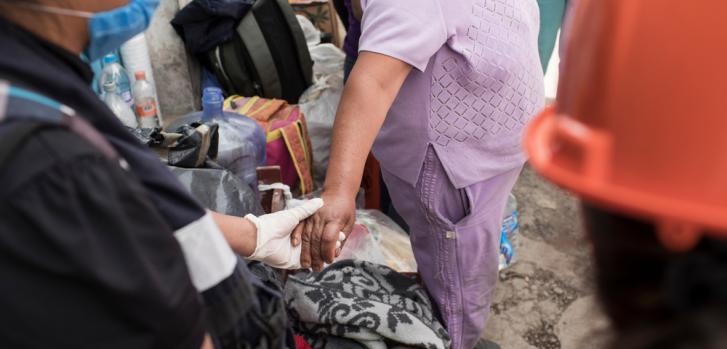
(546,299)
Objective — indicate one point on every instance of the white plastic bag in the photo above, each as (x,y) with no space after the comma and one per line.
(327,60)
(312,34)
(362,246)
(320,102)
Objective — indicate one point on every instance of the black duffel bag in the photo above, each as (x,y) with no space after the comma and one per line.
(268,57)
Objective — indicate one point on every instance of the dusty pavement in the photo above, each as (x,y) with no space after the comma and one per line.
(546,300)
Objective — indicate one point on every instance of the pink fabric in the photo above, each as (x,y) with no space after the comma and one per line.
(292,117)
(278,155)
(477,82)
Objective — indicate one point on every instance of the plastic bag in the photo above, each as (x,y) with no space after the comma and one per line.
(361,245)
(148,136)
(320,115)
(219,190)
(320,102)
(380,240)
(197,143)
(241,146)
(327,60)
(312,34)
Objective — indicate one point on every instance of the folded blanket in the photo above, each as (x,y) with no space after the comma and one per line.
(367,303)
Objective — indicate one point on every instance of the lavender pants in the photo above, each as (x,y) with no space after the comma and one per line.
(455,234)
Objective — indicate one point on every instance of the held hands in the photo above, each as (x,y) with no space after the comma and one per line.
(274,231)
(322,236)
(279,235)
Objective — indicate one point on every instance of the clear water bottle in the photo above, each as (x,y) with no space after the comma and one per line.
(242,143)
(114,72)
(145,102)
(509,233)
(118,105)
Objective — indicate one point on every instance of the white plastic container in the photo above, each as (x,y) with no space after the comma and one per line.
(135,54)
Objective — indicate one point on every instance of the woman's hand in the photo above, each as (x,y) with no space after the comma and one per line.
(326,231)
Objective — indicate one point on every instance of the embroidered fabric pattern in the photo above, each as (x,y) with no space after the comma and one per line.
(368,304)
(494,90)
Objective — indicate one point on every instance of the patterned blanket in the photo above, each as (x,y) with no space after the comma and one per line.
(367,303)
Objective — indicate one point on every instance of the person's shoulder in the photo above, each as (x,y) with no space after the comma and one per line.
(42,152)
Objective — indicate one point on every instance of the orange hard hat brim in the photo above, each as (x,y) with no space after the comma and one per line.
(680,223)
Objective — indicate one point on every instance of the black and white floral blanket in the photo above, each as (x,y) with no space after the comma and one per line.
(367,303)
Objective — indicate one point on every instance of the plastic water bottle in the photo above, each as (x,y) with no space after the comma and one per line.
(118,106)
(242,143)
(509,233)
(114,72)
(145,102)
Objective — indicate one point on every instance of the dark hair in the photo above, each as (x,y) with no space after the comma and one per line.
(657,298)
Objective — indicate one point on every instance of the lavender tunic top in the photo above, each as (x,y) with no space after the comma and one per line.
(477,82)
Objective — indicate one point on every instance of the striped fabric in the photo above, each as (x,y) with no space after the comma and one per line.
(288,142)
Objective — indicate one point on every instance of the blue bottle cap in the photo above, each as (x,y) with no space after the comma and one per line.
(212,95)
(110,58)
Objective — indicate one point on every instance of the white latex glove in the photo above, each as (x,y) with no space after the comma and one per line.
(273,235)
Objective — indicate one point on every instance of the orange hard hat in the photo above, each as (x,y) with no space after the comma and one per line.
(640,123)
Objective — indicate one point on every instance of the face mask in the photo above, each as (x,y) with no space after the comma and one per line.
(108,30)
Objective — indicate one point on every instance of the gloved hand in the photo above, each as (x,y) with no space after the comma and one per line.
(273,235)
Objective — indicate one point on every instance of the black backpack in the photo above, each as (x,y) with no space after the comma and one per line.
(268,57)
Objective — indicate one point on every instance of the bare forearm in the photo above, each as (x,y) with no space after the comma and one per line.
(369,93)
(240,233)
(358,121)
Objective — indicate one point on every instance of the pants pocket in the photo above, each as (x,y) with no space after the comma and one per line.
(452,206)
(448,204)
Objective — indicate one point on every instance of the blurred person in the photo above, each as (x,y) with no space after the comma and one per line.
(100,246)
(637,133)
(552,13)
(341,11)
(566,27)
(353,13)
(442,90)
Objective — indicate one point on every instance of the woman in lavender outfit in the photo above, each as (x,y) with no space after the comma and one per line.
(442,90)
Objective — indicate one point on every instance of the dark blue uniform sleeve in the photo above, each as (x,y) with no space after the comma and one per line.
(172,200)
(241,311)
(88,261)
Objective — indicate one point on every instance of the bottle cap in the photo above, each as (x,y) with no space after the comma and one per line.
(110,58)
(140,75)
(212,95)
